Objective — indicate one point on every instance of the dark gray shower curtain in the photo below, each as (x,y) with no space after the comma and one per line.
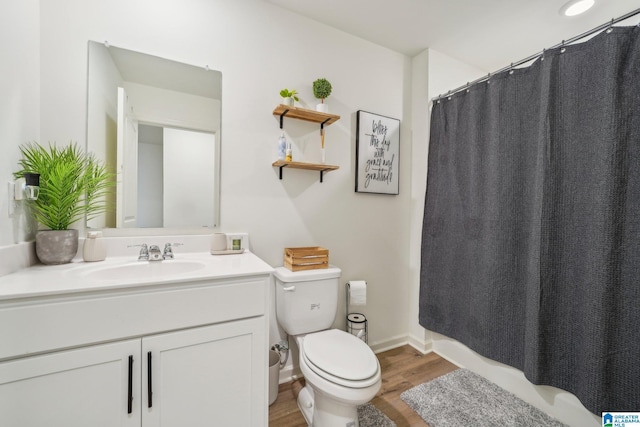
(531,233)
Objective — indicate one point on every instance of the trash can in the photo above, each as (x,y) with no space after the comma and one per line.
(274,375)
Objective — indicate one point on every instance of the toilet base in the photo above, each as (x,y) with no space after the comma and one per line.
(321,411)
(305,404)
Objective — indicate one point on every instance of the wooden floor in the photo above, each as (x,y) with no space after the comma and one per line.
(402,368)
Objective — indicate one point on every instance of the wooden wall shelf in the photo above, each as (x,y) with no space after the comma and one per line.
(322,168)
(304,114)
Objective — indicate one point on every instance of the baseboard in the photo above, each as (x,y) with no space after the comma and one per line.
(389,344)
(288,374)
(421,345)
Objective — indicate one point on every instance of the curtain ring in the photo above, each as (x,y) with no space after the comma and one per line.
(511,69)
(610,27)
(562,48)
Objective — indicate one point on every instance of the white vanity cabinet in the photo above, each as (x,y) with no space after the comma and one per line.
(74,388)
(174,353)
(204,376)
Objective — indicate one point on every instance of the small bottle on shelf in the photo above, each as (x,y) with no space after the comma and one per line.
(282,147)
(289,156)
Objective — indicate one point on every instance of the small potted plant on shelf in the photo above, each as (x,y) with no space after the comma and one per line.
(288,96)
(73,185)
(322,90)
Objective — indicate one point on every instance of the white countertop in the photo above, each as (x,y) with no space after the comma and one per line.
(80,276)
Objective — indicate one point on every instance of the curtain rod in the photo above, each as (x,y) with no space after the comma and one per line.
(534,56)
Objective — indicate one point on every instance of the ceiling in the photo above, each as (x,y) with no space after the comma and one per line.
(488,34)
(163,73)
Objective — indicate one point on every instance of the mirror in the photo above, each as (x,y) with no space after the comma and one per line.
(156,125)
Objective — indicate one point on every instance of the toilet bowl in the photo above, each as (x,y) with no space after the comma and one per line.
(340,370)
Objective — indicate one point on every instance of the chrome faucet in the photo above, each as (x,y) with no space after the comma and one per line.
(154,253)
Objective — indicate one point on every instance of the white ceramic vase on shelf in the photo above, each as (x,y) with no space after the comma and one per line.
(322,108)
(288,101)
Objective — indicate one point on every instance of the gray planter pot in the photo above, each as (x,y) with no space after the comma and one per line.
(56,246)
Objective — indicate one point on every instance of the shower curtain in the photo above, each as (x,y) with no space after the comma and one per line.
(531,232)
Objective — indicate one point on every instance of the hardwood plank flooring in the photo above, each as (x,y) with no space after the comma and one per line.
(402,368)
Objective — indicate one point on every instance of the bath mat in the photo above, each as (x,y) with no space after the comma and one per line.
(370,416)
(462,398)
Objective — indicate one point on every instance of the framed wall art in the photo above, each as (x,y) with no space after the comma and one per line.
(377,154)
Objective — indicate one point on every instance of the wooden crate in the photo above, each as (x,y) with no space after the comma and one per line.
(307,258)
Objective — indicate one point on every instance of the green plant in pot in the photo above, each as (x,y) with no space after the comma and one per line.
(73,185)
(288,96)
(321,90)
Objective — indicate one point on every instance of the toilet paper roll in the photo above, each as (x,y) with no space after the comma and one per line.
(357,292)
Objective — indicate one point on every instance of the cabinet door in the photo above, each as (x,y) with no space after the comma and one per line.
(75,388)
(208,376)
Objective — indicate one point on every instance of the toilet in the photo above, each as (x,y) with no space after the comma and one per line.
(340,370)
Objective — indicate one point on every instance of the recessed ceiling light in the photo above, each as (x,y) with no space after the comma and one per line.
(576,7)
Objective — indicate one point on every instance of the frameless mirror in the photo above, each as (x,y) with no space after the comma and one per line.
(156,125)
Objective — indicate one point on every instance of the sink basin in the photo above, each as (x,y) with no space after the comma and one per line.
(144,270)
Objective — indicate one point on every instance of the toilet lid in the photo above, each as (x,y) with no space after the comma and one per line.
(341,355)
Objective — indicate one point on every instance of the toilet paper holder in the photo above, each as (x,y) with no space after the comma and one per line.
(356,322)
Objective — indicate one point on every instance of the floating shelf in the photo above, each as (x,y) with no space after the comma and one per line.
(309,116)
(322,168)
(304,114)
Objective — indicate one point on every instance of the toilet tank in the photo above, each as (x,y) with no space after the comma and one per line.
(306,301)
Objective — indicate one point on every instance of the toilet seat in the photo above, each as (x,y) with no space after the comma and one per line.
(341,358)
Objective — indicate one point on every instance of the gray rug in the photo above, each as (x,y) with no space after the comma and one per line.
(370,416)
(462,398)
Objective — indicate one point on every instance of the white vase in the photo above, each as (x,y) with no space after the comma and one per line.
(322,107)
(288,101)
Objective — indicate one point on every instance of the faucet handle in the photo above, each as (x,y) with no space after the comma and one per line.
(168,250)
(144,251)
(142,246)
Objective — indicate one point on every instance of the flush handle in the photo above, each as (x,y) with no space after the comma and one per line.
(289,289)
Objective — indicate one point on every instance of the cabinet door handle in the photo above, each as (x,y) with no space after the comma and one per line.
(130,393)
(149,388)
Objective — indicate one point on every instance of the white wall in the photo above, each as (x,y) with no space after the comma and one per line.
(150,182)
(188,178)
(171,108)
(19,118)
